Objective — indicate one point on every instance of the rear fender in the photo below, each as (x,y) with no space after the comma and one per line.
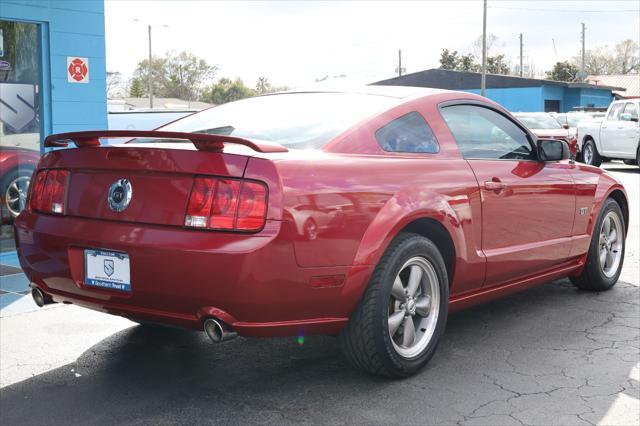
(402,209)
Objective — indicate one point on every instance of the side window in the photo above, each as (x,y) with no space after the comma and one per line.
(630,108)
(482,133)
(409,133)
(614,112)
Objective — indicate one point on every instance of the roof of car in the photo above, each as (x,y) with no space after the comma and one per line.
(398,92)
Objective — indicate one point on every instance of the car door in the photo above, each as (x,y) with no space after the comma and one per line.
(630,131)
(611,131)
(527,205)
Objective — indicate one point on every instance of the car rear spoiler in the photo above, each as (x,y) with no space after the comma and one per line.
(202,141)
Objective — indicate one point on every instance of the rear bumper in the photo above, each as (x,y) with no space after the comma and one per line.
(182,277)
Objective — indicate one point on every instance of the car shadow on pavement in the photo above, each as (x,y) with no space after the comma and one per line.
(550,355)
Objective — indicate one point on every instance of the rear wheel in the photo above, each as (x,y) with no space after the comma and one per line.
(397,325)
(590,154)
(13,190)
(606,251)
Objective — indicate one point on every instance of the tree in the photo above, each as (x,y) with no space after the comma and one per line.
(468,63)
(492,40)
(563,71)
(598,61)
(182,75)
(449,60)
(627,58)
(497,65)
(137,88)
(187,75)
(114,80)
(227,90)
(263,86)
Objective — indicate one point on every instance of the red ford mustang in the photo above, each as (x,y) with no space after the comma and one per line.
(367,214)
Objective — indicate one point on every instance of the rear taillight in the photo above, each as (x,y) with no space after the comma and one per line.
(49,191)
(226,204)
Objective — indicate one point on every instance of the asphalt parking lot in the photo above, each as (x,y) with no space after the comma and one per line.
(550,355)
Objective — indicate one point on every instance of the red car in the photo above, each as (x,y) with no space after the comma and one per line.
(425,202)
(17,166)
(546,126)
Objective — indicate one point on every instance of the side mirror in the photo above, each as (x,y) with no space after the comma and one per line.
(628,117)
(553,150)
(565,126)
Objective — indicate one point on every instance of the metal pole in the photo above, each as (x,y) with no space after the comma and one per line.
(483,83)
(583,43)
(149,77)
(520,54)
(399,62)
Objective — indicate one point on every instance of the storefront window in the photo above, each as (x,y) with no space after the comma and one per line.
(20,129)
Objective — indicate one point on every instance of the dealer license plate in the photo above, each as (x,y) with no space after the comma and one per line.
(107,269)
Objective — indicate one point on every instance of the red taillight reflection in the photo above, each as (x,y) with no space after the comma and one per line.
(253,207)
(49,191)
(226,204)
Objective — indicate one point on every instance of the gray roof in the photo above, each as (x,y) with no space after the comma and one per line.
(462,80)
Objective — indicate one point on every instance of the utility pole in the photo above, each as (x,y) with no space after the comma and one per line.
(483,82)
(399,63)
(149,77)
(520,54)
(582,67)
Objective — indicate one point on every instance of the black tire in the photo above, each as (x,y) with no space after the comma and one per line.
(365,341)
(592,277)
(7,179)
(596,160)
(630,162)
(638,155)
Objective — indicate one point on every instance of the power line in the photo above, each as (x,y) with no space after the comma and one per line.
(565,10)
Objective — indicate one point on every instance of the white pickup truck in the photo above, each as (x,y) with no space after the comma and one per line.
(616,137)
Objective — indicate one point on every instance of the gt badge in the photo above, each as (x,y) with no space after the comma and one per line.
(583,211)
(120,194)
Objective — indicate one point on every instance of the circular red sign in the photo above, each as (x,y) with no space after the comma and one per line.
(78,69)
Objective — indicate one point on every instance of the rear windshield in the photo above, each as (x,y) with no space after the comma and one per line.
(295,120)
(539,121)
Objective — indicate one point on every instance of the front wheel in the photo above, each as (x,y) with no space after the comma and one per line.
(590,154)
(606,251)
(397,325)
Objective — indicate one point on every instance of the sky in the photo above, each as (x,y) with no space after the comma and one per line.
(294,43)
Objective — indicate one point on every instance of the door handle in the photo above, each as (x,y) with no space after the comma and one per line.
(494,185)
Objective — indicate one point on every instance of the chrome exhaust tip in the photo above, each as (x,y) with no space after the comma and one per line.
(40,297)
(218,332)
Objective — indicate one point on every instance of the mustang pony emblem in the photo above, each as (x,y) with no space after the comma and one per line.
(108,267)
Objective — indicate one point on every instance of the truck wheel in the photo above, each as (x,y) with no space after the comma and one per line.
(590,154)
(397,325)
(606,251)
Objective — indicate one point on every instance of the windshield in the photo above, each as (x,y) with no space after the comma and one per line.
(295,120)
(539,121)
(574,119)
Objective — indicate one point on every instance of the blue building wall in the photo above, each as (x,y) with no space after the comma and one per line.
(516,98)
(531,99)
(68,28)
(597,97)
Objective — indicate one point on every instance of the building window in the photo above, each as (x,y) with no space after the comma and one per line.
(409,133)
(20,129)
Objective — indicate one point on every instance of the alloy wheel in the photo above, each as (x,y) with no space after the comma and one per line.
(15,197)
(414,305)
(610,244)
(588,154)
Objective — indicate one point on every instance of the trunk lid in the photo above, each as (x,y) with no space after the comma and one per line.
(161,179)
